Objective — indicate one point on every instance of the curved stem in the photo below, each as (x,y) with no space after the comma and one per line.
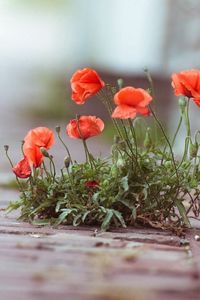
(106,102)
(66,148)
(168,142)
(134,136)
(187,121)
(18,182)
(152,92)
(177,130)
(54,168)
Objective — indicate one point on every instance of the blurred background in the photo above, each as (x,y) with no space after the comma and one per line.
(42,42)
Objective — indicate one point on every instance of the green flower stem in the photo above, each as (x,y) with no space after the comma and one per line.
(174,138)
(18,182)
(128,143)
(134,136)
(106,102)
(187,122)
(65,146)
(54,168)
(168,142)
(34,174)
(62,173)
(152,92)
(188,119)
(87,156)
(45,169)
(87,153)
(177,130)
(196,160)
(176,133)
(185,151)
(135,157)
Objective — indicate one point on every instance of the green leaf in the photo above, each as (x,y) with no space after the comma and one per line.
(84,216)
(119,216)
(63,216)
(134,213)
(128,203)
(58,205)
(106,222)
(77,219)
(95,198)
(124,183)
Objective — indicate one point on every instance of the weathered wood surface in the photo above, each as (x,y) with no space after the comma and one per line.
(84,264)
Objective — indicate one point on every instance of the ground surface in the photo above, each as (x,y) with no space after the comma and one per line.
(67,263)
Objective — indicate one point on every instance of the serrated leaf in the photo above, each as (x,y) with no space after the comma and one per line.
(106,222)
(120,218)
(66,212)
(84,216)
(77,219)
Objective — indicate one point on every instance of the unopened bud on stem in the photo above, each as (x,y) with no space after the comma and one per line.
(44,152)
(6,147)
(67,161)
(58,129)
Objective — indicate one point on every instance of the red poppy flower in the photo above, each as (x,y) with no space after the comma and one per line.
(187,83)
(33,141)
(33,154)
(131,101)
(91,184)
(22,169)
(85,83)
(85,127)
(41,137)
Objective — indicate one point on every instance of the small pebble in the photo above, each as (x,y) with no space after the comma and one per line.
(35,235)
(197,238)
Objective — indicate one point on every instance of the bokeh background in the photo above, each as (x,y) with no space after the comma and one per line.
(42,42)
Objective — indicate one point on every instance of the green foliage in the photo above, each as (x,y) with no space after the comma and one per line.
(128,192)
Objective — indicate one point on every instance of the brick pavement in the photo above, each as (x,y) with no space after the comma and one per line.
(39,263)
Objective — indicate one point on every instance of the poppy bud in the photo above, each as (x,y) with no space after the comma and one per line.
(67,161)
(44,152)
(182,104)
(193,150)
(6,147)
(57,129)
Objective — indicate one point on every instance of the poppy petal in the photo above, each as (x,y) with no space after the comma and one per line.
(22,169)
(124,112)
